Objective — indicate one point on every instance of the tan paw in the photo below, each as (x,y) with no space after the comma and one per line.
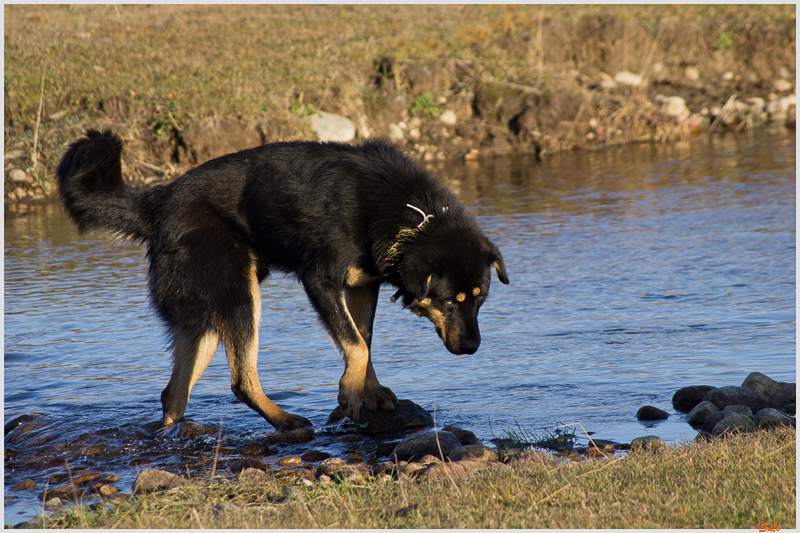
(377,396)
(350,397)
(290,422)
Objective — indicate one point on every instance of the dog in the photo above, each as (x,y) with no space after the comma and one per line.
(344,219)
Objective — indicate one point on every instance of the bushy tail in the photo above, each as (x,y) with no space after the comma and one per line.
(93,191)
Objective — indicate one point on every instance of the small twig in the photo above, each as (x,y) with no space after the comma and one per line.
(38,121)
(721,112)
(216,451)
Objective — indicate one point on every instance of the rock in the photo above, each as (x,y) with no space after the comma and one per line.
(628,78)
(253,476)
(756,103)
(292,460)
(295,436)
(713,419)
(649,443)
(782,85)
(108,478)
(85,478)
(152,480)
(648,412)
(685,399)
(674,106)
(412,469)
(243,464)
(395,132)
(428,459)
(770,417)
(460,469)
(731,395)
(692,73)
(106,491)
(527,458)
(473,453)
(697,416)
(24,485)
(315,456)
(64,492)
(778,109)
(735,423)
(9,427)
(466,437)
(448,117)
(739,409)
(53,504)
(332,127)
(774,393)
(425,443)
(334,468)
(19,176)
(414,134)
(405,417)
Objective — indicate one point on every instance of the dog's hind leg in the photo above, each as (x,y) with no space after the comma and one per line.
(361,303)
(240,337)
(190,357)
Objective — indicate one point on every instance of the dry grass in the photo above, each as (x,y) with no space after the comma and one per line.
(741,482)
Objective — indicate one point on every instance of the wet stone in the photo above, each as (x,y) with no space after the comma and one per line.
(85,478)
(466,437)
(255,448)
(314,456)
(295,436)
(771,417)
(53,504)
(713,419)
(735,423)
(25,485)
(698,415)
(739,409)
(69,493)
(730,395)
(774,393)
(292,460)
(426,443)
(108,478)
(406,416)
(14,423)
(243,464)
(106,491)
(648,412)
(685,399)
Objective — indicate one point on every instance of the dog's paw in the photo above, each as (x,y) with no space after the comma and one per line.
(291,422)
(376,396)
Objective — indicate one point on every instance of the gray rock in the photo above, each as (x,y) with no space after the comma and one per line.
(648,412)
(685,399)
(466,437)
(332,127)
(697,416)
(473,453)
(649,443)
(730,395)
(774,393)
(740,409)
(253,476)
(153,480)
(425,443)
(406,416)
(735,423)
(713,419)
(771,417)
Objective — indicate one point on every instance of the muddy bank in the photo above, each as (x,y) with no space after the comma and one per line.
(584,83)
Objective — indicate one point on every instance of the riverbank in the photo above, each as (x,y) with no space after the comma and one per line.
(461,82)
(743,481)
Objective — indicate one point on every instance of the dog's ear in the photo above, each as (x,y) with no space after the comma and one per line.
(496,260)
(416,275)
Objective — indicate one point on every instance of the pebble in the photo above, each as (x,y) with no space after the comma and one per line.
(85,478)
(106,491)
(243,464)
(448,117)
(395,132)
(314,456)
(24,485)
(19,176)
(782,85)
(628,78)
(292,460)
(253,476)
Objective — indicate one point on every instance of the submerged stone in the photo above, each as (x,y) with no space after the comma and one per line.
(648,412)
(406,416)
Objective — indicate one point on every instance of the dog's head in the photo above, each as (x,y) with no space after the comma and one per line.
(445,275)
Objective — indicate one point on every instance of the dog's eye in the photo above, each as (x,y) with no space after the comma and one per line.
(450,301)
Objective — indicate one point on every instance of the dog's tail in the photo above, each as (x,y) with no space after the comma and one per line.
(93,191)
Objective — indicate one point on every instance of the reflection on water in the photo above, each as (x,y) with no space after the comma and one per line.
(634,271)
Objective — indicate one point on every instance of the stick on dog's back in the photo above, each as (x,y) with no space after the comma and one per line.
(93,191)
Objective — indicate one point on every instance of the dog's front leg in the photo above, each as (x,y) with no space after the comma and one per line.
(328,300)
(361,303)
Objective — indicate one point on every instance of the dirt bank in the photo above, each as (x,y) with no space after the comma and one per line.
(445,82)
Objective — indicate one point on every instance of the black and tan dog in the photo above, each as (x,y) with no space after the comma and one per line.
(344,219)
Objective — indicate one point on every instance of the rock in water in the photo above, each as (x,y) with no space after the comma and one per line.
(730,395)
(774,393)
(405,417)
(155,480)
(697,416)
(685,399)
(423,443)
(648,412)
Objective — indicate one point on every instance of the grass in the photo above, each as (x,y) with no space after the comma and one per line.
(740,482)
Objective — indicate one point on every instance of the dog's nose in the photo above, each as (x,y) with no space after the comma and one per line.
(465,346)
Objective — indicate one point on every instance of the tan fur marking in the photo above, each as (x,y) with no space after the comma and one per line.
(425,302)
(356,277)
(461,296)
(476,291)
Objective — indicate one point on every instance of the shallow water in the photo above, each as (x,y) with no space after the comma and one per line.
(634,271)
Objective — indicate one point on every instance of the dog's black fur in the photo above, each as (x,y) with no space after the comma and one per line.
(342,218)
